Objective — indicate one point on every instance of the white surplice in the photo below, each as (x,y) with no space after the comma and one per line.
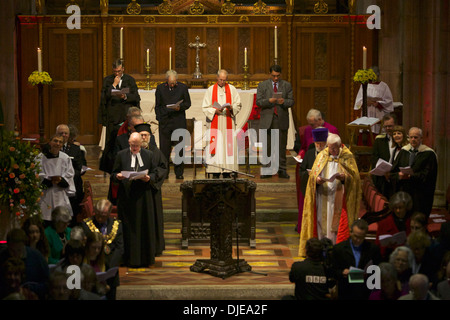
(56,196)
(329,198)
(383,94)
(221,157)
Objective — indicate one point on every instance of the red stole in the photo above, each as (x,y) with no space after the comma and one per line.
(215,121)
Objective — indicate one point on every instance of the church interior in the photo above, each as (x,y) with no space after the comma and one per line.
(320,45)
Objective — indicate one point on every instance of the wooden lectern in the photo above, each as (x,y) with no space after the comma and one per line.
(222,203)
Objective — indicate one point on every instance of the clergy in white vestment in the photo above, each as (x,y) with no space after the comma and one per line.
(220,106)
(379,100)
(56,176)
(333,195)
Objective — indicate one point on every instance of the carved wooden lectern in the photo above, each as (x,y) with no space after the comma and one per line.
(213,208)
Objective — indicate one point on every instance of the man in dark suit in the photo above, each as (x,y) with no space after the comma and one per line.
(275,115)
(119,92)
(135,202)
(171,119)
(355,252)
(421,182)
(383,148)
(78,161)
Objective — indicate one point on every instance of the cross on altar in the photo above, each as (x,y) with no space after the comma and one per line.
(197,45)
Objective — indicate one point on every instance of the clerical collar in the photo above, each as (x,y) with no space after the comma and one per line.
(139,159)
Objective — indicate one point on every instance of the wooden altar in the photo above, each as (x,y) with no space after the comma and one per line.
(212,211)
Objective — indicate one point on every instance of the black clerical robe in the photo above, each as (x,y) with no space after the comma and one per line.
(169,119)
(381,150)
(112,112)
(161,172)
(422,183)
(137,209)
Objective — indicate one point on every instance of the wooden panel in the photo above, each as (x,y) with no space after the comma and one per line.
(320,73)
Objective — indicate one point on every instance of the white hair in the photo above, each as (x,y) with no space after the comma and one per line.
(416,129)
(171,73)
(222,71)
(334,139)
(314,113)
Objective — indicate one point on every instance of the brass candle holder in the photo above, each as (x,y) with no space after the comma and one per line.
(245,85)
(147,86)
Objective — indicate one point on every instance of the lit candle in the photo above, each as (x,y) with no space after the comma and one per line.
(245,56)
(39,54)
(148,57)
(170,58)
(276,42)
(121,43)
(220,64)
(364,58)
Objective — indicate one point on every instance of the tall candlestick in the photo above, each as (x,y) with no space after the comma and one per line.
(276,43)
(170,58)
(364,58)
(121,43)
(148,57)
(39,54)
(220,63)
(245,56)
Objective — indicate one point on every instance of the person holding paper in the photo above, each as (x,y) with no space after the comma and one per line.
(221,146)
(172,99)
(56,176)
(356,252)
(161,171)
(135,203)
(333,195)
(388,237)
(78,161)
(379,99)
(275,96)
(383,148)
(113,108)
(415,171)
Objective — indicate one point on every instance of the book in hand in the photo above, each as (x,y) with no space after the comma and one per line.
(277,95)
(103,276)
(365,121)
(117,92)
(174,106)
(133,175)
(406,170)
(381,168)
(298,159)
(397,239)
(332,178)
(355,275)
(221,107)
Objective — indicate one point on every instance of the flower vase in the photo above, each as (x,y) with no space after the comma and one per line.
(364,102)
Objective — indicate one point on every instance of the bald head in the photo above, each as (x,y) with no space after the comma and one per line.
(63,130)
(135,142)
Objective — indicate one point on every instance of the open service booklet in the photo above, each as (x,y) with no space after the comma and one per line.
(133,175)
(175,105)
(221,107)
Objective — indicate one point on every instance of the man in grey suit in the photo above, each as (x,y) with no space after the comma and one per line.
(275,115)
